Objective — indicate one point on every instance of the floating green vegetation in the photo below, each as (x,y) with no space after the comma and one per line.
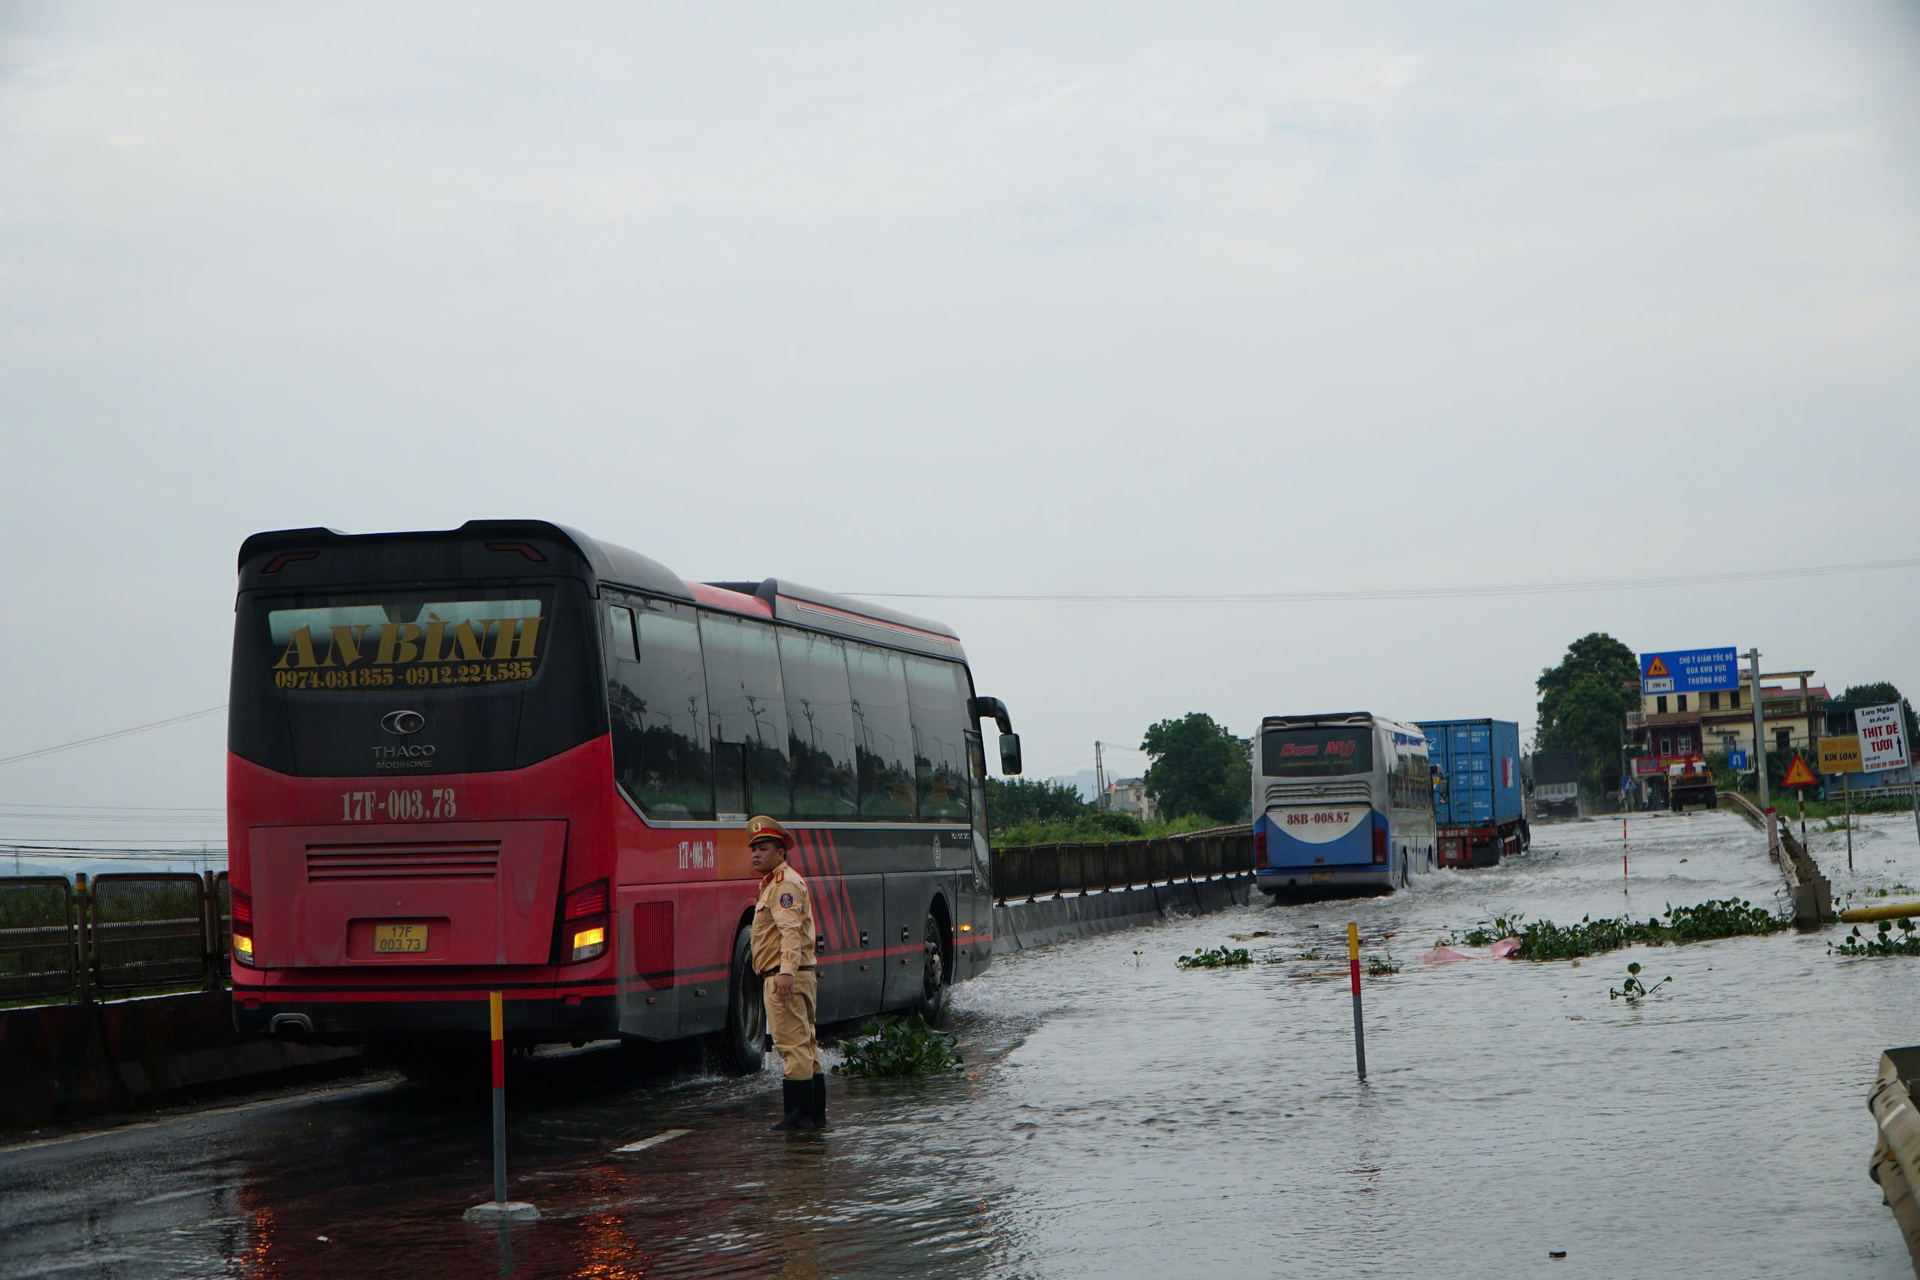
(1633,991)
(1882,943)
(1545,940)
(1380,967)
(1215,958)
(1486,933)
(898,1047)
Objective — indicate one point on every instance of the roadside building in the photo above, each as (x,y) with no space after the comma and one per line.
(1793,714)
(1129,795)
(1674,731)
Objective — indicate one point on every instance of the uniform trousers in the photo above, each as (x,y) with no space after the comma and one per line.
(792,1026)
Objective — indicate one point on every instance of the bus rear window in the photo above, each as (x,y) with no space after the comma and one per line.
(1316,753)
(362,682)
(404,645)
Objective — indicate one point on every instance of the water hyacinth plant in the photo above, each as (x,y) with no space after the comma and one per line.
(1545,940)
(898,1047)
(1215,958)
(1882,943)
(1633,990)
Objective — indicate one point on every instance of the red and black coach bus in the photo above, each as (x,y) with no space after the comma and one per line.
(509,756)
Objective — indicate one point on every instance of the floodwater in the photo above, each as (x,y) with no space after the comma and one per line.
(1122,1117)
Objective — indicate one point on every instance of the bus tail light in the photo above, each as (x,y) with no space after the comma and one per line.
(242,927)
(583,923)
(1260,848)
(1379,846)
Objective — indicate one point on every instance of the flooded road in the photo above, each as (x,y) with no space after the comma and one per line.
(1122,1117)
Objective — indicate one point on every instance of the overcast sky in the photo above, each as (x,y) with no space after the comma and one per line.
(1063,298)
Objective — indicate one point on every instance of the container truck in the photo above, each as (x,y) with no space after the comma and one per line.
(1556,784)
(1477,803)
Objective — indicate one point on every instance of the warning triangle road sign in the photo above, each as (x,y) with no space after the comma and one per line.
(1657,668)
(1798,775)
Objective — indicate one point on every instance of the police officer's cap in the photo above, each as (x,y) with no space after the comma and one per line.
(761,827)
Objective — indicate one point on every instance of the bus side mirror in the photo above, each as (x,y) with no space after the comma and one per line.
(1010,754)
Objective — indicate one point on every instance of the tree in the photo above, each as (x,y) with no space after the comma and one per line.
(1879,694)
(1015,800)
(1583,704)
(1198,768)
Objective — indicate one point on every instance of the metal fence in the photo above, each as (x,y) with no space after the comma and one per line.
(37,941)
(1026,872)
(62,941)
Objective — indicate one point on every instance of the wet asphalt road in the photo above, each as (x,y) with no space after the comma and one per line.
(1121,1117)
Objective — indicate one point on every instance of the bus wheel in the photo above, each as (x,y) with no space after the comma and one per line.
(740,1046)
(1406,871)
(934,984)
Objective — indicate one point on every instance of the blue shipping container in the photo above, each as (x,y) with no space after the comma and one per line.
(1481,761)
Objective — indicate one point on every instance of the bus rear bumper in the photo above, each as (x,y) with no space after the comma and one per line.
(550,1019)
(1309,880)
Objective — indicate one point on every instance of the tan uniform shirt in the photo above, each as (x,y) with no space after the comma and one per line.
(783,923)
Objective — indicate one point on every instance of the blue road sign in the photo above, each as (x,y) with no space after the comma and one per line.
(1689,671)
(1737,761)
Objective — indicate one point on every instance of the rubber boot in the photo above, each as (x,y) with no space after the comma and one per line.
(819,1100)
(798,1097)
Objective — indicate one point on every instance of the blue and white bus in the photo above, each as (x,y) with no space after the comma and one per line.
(1340,803)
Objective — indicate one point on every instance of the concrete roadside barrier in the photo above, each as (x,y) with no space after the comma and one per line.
(70,1061)
(1895,1165)
(1024,926)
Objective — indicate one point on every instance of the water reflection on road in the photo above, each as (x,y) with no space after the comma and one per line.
(1119,1116)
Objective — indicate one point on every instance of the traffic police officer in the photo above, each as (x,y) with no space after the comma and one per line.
(783,957)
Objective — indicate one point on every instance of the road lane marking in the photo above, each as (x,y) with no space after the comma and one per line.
(665,1135)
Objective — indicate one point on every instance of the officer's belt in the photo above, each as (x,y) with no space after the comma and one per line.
(774,973)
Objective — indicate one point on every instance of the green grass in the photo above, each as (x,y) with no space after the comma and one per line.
(1837,809)
(1095,828)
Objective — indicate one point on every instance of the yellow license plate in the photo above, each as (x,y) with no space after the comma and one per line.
(388,938)
(1322,877)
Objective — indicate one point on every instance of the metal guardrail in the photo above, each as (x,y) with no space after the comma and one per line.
(62,941)
(38,954)
(1807,886)
(1026,872)
(1901,792)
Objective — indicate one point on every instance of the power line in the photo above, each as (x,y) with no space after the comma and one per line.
(117,808)
(117,733)
(1404,593)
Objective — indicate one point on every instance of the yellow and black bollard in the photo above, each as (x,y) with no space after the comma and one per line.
(500,1209)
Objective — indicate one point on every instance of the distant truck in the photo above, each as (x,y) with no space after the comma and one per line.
(1691,783)
(1556,784)
(1477,801)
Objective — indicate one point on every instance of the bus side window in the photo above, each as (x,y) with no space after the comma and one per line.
(813,668)
(936,694)
(620,628)
(883,732)
(749,715)
(658,709)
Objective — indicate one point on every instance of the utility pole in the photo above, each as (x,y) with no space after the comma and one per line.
(1759,728)
(1099,777)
